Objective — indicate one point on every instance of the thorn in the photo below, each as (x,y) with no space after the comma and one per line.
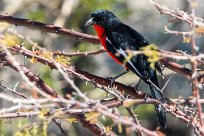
(167,82)
(15,86)
(22,43)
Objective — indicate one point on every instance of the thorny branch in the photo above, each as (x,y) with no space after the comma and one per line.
(194,64)
(49,28)
(197,25)
(80,117)
(180,15)
(97,81)
(84,37)
(40,83)
(13,91)
(78,53)
(173,110)
(169,64)
(104,83)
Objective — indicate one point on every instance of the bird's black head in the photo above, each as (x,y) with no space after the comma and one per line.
(102,18)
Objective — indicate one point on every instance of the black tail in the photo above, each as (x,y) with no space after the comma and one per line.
(161,116)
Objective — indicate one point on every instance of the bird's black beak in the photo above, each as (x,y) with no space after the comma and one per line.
(89,22)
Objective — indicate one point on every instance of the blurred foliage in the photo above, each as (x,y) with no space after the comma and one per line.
(92,117)
(39,14)
(33,130)
(62,60)
(139,14)
(9,40)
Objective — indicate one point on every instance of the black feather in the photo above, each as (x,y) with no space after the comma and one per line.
(121,37)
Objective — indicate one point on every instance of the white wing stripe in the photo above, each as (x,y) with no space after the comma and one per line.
(121,51)
(108,40)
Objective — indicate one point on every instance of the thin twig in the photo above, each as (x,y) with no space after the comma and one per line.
(13,91)
(176,32)
(195,88)
(96,80)
(132,114)
(71,82)
(180,15)
(78,53)
(12,62)
(166,82)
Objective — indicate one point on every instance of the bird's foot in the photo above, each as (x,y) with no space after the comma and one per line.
(112,81)
(164,100)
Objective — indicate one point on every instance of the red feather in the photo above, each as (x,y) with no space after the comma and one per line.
(102,37)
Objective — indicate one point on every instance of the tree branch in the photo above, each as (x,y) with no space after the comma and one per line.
(96,80)
(78,53)
(49,28)
(41,84)
(88,38)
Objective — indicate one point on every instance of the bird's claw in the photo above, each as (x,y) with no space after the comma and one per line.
(164,100)
(112,79)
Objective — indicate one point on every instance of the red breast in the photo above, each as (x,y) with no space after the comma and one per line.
(102,37)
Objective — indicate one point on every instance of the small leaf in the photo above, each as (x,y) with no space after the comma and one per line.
(62,60)
(42,113)
(108,128)
(186,39)
(33,60)
(151,52)
(92,116)
(9,40)
(47,55)
(120,130)
(71,120)
(152,65)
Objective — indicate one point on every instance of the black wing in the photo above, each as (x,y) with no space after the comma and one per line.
(139,41)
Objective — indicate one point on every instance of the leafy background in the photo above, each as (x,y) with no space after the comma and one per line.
(72,14)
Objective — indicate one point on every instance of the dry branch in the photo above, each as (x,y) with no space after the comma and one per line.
(180,15)
(41,84)
(49,28)
(102,82)
(34,78)
(194,65)
(88,38)
(96,80)
(78,53)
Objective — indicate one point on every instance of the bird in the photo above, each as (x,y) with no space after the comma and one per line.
(117,39)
